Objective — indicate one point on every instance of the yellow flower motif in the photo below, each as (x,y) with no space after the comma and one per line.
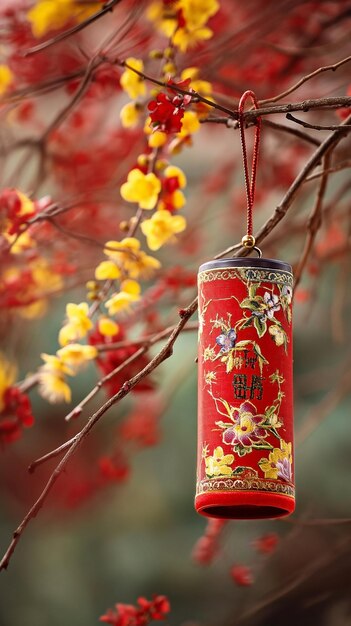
(218,464)
(107,270)
(197,12)
(78,323)
(131,259)
(47,15)
(157,139)
(107,327)
(75,354)
(277,335)
(190,124)
(130,115)
(278,464)
(121,302)
(8,372)
(161,228)
(141,188)
(131,82)
(184,38)
(6,78)
(52,383)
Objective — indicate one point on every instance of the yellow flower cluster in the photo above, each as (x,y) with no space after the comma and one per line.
(134,86)
(127,258)
(195,13)
(67,361)
(47,15)
(78,323)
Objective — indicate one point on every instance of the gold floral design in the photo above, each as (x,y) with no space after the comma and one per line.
(219,463)
(279,463)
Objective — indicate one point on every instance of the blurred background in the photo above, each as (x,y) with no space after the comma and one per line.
(111,532)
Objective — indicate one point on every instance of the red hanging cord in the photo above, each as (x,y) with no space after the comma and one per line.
(250,182)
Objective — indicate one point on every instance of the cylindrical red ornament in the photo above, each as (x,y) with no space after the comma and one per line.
(245,422)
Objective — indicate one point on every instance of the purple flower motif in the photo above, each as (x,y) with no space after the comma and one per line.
(226,340)
(284,469)
(246,430)
(271,301)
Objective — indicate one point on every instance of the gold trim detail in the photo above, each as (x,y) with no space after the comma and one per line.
(244,484)
(247,274)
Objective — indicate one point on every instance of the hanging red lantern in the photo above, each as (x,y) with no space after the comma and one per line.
(245,456)
(245,423)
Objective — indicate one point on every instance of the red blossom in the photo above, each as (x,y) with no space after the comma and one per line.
(242,575)
(16,414)
(266,544)
(141,615)
(10,208)
(166,114)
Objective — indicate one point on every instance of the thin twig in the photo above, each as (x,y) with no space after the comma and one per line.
(313,126)
(292,131)
(304,79)
(314,221)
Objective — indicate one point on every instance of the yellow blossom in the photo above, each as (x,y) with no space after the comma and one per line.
(107,327)
(197,12)
(157,139)
(32,311)
(162,17)
(131,259)
(53,387)
(161,227)
(52,384)
(78,323)
(141,188)
(20,243)
(121,302)
(6,78)
(107,270)
(184,38)
(46,279)
(130,115)
(176,198)
(175,172)
(8,374)
(47,15)
(54,364)
(190,124)
(218,464)
(131,82)
(75,354)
